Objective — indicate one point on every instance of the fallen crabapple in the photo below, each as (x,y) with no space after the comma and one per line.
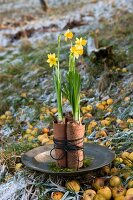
(30,138)
(129,191)
(109,101)
(118,191)
(45,130)
(100,106)
(89,193)
(124,154)
(131,156)
(128,197)
(57,195)
(120,198)
(106,170)
(28,131)
(98,183)
(104,103)
(99,197)
(130,184)
(8,113)
(73,185)
(105,192)
(115,181)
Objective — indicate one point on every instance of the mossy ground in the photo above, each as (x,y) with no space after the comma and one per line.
(33,59)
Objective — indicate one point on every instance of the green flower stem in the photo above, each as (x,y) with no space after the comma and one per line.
(72,89)
(57,79)
(76,95)
(58,55)
(71,63)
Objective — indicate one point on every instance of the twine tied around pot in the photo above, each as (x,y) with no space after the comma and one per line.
(67,146)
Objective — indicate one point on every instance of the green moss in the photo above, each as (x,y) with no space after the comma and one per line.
(53,166)
(87,162)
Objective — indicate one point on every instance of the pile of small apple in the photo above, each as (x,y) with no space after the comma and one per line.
(47,111)
(6,118)
(103,105)
(45,137)
(118,69)
(126,158)
(99,191)
(30,133)
(111,188)
(114,190)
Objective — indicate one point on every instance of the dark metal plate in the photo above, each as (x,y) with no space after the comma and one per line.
(39,158)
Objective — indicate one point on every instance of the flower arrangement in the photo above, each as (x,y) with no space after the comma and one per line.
(68,134)
(71,89)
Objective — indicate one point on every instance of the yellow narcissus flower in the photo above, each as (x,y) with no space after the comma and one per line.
(68,35)
(52,60)
(77,50)
(80,42)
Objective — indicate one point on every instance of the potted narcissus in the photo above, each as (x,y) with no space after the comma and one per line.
(69,132)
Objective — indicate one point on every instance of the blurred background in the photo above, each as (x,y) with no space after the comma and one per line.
(37,19)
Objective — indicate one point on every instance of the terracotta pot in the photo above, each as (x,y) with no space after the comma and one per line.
(76,132)
(60,136)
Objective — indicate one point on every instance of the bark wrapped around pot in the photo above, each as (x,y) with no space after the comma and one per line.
(59,142)
(75,138)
